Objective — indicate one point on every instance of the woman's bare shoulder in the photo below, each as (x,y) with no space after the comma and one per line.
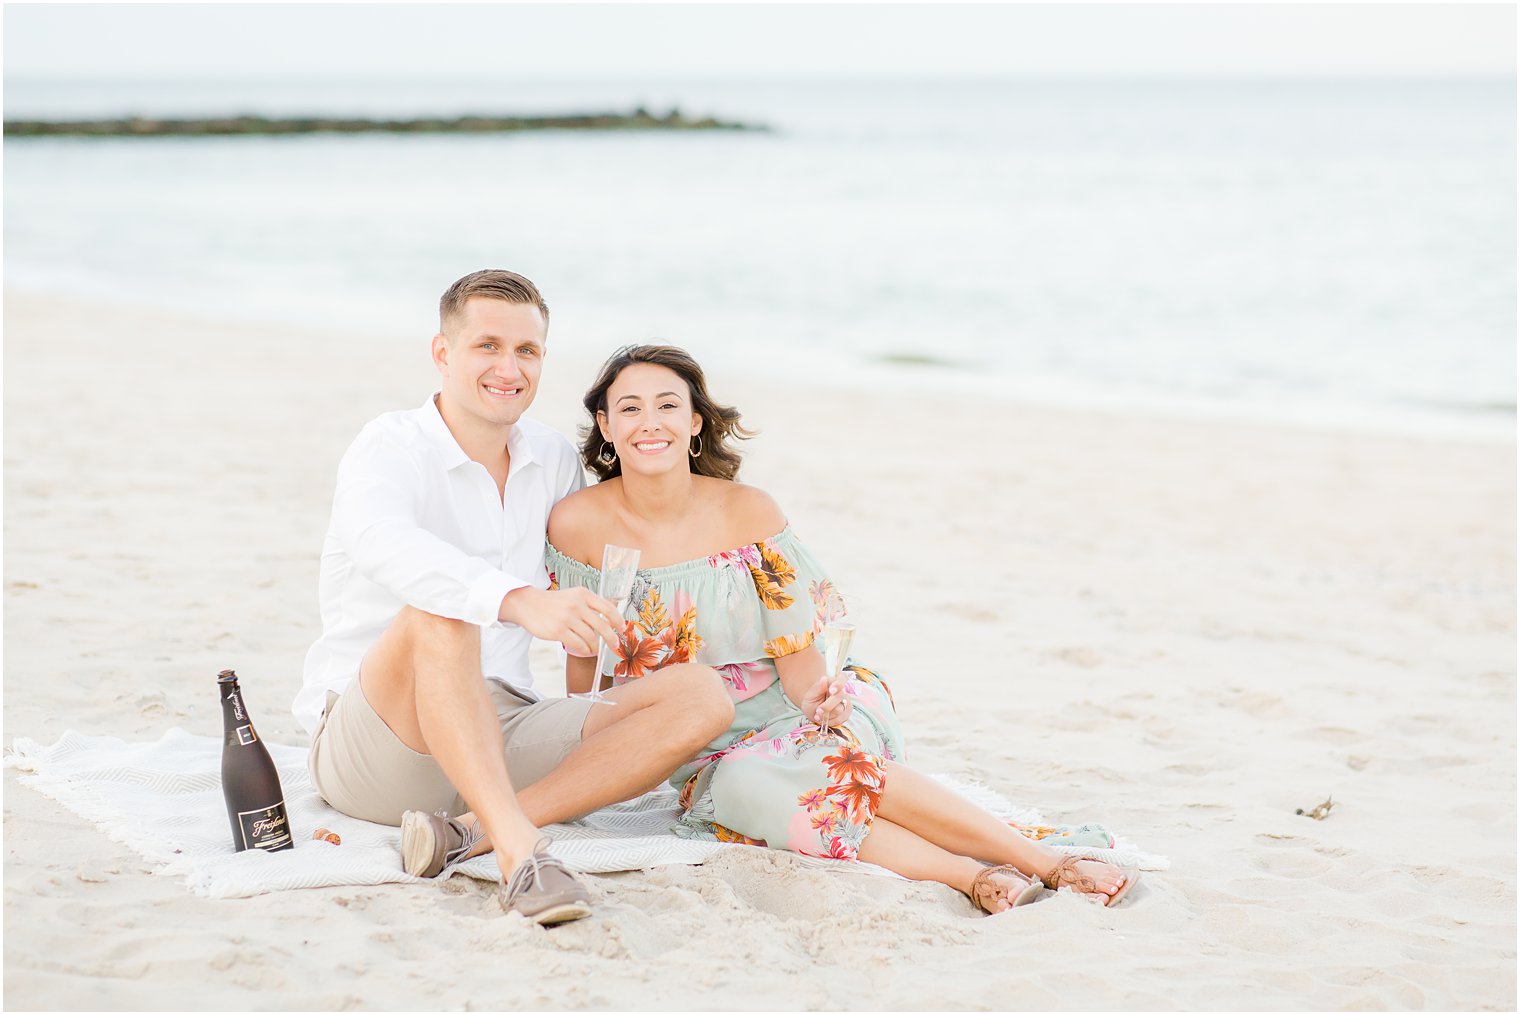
(752,513)
(576,522)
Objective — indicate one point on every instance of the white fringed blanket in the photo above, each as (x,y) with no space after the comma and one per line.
(164,799)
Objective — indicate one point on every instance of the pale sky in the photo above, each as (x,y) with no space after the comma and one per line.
(668,40)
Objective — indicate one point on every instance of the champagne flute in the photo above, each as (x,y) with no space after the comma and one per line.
(619,567)
(837,635)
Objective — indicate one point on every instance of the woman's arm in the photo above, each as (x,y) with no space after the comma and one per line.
(799,672)
(807,685)
(573,529)
(802,673)
(579,672)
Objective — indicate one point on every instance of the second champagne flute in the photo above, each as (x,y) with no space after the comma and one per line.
(620,565)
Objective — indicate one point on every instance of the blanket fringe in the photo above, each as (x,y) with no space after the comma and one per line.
(95,803)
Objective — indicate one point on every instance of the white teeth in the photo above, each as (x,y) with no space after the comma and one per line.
(501,391)
(652,445)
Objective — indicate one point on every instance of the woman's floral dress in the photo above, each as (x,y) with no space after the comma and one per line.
(774,779)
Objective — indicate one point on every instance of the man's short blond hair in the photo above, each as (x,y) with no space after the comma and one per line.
(492,283)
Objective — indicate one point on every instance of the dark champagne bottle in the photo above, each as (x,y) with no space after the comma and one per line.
(255,803)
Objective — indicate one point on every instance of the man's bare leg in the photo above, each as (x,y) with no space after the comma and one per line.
(659,722)
(423,680)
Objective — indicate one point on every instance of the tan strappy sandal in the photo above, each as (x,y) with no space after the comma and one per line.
(1064,875)
(985,894)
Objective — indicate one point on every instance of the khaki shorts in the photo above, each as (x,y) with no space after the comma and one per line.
(364,770)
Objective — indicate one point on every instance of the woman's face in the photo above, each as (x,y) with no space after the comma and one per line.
(649,419)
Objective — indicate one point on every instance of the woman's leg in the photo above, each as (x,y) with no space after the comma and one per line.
(920,805)
(903,852)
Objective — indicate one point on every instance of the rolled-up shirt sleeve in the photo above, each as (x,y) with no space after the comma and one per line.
(376,510)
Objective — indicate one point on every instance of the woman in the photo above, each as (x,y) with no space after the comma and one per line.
(809,764)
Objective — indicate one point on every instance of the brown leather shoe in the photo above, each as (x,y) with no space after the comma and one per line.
(430,843)
(543,889)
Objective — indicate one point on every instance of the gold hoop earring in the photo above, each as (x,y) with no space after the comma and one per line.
(608,455)
(698,452)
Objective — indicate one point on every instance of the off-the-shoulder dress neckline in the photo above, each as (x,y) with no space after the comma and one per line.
(670,570)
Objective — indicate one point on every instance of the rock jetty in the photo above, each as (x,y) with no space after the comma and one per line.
(140,126)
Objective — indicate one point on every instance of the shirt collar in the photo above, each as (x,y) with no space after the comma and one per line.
(518,448)
(442,439)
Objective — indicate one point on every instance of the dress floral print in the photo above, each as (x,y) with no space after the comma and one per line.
(657,637)
(774,778)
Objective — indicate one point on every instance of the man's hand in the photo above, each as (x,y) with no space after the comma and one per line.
(826,704)
(573,617)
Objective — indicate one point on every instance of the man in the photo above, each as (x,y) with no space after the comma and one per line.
(418,694)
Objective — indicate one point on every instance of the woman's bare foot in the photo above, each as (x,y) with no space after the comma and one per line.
(999,889)
(1097,878)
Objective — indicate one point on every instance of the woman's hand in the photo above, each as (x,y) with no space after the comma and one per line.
(826,702)
(806,683)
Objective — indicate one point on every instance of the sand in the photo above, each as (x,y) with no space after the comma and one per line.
(1184,629)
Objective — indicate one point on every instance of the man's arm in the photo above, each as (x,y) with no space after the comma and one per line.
(375,520)
(573,617)
(375,510)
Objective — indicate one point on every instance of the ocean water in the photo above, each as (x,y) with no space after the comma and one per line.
(1329,252)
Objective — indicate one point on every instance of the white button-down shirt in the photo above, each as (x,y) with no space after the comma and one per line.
(416,522)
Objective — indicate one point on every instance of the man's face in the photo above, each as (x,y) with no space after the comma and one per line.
(490,357)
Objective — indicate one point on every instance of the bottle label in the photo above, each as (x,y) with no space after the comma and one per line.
(265,828)
(246,735)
